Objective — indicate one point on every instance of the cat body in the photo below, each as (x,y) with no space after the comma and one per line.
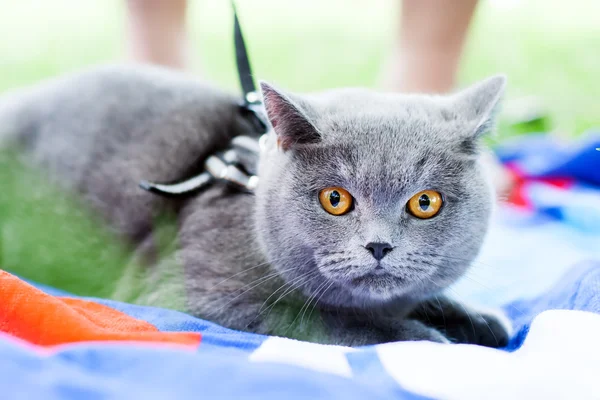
(277,262)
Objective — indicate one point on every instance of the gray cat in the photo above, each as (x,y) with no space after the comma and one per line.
(368,206)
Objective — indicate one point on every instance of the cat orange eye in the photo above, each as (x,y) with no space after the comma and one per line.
(336,200)
(425,204)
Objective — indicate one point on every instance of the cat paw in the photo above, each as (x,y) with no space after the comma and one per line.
(463,324)
(411,330)
(490,329)
(433,335)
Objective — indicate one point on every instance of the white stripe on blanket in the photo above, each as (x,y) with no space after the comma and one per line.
(328,359)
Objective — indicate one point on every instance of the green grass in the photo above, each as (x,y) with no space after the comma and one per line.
(548,49)
(49,236)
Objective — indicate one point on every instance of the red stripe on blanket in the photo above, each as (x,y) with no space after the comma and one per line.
(32,315)
(518,195)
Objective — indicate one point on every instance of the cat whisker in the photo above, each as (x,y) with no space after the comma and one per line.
(418,268)
(340,268)
(287,292)
(307,278)
(262,280)
(319,299)
(474,310)
(489,288)
(463,307)
(270,274)
(307,301)
(437,299)
(284,285)
(467,276)
(479,283)
(337,261)
(466,312)
(469,316)
(308,304)
(245,271)
(260,310)
(470,262)
(329,252)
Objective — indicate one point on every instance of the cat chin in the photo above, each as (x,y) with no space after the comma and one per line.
(375,290)
(375,295)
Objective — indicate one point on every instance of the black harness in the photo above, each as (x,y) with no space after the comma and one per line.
(235,165)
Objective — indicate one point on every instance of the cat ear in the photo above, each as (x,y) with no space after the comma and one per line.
(288,118)
(479,104)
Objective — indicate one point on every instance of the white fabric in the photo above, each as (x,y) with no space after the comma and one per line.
(329,359)
(560,359)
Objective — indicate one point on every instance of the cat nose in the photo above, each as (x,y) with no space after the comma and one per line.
(379,250)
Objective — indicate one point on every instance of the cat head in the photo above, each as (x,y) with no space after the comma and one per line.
(367,197)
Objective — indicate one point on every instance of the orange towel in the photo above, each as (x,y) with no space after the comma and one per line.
(39,318)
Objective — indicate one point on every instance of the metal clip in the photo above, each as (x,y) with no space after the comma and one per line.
(178,189)
(236,166)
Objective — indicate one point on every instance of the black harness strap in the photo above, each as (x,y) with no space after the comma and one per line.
(252,105)
(243,62)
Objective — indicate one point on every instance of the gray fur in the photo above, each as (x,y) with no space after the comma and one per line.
(101,131)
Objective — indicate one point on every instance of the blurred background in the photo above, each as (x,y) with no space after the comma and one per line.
(548,48)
